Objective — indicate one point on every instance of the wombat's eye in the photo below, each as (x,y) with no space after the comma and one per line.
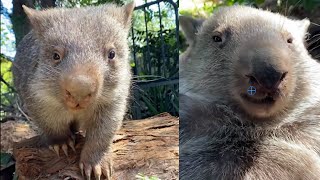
(217,39)
(56,57)
(111,54)
(57,54)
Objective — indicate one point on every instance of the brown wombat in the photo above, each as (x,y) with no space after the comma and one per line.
(72,72)
(227,133)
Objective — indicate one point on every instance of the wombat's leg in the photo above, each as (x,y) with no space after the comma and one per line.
(62,139)
(281,160)
(57,143)
(95,154)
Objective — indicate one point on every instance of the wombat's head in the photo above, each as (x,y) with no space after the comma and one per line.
(83,54)
(239,47)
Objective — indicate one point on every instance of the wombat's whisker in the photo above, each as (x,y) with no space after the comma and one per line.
(315,23)
(316,47)
(312,42)
(312,37)
(317,56)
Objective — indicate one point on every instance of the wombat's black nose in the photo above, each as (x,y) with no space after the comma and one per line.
(268,78)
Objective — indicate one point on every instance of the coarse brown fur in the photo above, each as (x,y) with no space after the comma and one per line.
(85,89)
(223,135)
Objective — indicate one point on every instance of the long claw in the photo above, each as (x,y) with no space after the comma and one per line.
(97,172)
(81,168)
(107,173)
(97,177)
(65,149)
(71,144)
(56,149)
(88,171)
(111,171)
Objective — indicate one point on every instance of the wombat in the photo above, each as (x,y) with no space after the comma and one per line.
(228,133)
(72,72)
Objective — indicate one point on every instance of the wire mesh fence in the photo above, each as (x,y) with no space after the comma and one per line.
(155,51)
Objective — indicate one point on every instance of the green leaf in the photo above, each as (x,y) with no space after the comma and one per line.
(5,159)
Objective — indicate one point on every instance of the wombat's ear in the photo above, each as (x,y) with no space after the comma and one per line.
(128,9)
(190,27)
(304,24)
(34,17)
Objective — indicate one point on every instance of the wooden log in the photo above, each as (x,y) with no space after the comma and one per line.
(148,146)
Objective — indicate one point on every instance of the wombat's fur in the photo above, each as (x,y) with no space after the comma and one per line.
(226,134)
(72,71)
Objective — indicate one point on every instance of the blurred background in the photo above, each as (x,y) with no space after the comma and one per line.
(296,9)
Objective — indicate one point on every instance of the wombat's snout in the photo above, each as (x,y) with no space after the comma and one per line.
(79,90)
(266,65)
(268,78)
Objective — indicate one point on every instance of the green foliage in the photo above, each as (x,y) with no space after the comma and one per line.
(155,57)
(153,100)
(208,6)
(6,43)
(7,95)
(156,53)
(151,15)
(4,34)
(307,4)
(5,159)
(140,176)
(6,74)
(80,3)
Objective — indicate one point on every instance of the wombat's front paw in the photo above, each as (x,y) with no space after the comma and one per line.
(99,167)
(63,145)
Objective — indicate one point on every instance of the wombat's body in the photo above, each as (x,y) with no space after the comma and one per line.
(227,134)
(72,71)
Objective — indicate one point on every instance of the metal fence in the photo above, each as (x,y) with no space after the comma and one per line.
(155,54)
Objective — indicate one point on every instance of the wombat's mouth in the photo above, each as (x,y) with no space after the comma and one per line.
(268,100)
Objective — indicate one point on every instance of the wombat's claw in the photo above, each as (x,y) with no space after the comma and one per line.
(81,168)
(87,171)
(64,147)
(108,173)
(97,171)
(71,144)
(55,148)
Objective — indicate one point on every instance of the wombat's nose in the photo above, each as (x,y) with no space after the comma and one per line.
(268,78)
(79,90)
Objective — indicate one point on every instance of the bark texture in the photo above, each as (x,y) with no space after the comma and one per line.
(148,146)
